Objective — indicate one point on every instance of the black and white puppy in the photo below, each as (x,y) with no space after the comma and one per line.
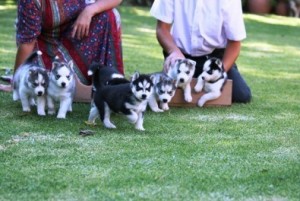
(61,88)
(164,90)
(182,71)
(101,76)
(30,82)
(211,80)
(129,99)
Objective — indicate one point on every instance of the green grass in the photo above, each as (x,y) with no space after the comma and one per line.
(243,152)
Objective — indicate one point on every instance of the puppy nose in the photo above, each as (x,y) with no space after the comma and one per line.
(40,93)
(144,96)
(63,84)
(165,100)
(181,80)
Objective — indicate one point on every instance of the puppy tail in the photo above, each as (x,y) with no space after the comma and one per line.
(32,57)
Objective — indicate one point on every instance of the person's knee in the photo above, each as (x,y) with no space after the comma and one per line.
(243,97)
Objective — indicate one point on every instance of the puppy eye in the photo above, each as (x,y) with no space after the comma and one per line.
(68,77)
(187,72)
(161,91)
(178,71)
(35,84)
(57,77)
(209,72)
(170,92)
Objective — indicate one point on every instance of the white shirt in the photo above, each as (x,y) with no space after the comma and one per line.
(200,26)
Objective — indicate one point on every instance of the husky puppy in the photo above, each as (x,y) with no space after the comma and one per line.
(212,80)
(182,71)
(101,76)
(129,99)
(29,82)
(164,90)
(61,88)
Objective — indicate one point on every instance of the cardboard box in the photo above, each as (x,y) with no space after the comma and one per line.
(83,94)
(224,100)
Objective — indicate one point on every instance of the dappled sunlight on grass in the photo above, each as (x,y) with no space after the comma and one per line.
(273,19)
(8,7)
(261,73)
(146,30)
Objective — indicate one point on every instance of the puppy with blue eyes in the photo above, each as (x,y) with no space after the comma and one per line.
(128,98)
(211,80)
(61,88)
(182,71)
(164,90)
(30,83)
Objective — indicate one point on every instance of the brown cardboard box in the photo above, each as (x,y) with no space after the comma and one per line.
(223,100)
(83,94)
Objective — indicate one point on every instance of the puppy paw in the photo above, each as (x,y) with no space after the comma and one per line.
(188,99)
(108,124)
(43,113)
(140,128)
(61,116)
(201,103)
(157,110)
(26,109)
(165,107)
(197,88)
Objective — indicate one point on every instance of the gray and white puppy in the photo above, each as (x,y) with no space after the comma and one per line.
(61,88)
(30,82)
(164,90)
(182,71)
(212,80)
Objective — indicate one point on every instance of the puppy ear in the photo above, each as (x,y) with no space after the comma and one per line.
(192,62)
(71,64)
(135,76)
(55,64)
(219,62)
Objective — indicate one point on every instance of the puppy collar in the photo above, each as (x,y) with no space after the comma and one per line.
(214,81)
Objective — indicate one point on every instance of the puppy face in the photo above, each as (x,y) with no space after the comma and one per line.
(62,73)
(141,86)
(38,80)
(185,70)
(212,69)
(165,89)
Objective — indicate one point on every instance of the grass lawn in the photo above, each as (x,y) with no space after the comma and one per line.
(243,152)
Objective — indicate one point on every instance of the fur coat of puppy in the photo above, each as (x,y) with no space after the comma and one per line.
(211,80)
(164,90)
(101,76)
(129,99)
(182,71)
(30,82)
(61,88)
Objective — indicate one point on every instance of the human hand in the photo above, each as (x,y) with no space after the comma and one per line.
(81,26)
(170,60)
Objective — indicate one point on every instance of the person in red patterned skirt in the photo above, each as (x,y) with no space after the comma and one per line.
(84,31)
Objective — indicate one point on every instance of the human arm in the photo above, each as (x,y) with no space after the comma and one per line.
(23,51)
(166,41)
(232,52)
(82,24)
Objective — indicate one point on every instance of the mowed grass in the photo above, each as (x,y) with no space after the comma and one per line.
(243,152)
